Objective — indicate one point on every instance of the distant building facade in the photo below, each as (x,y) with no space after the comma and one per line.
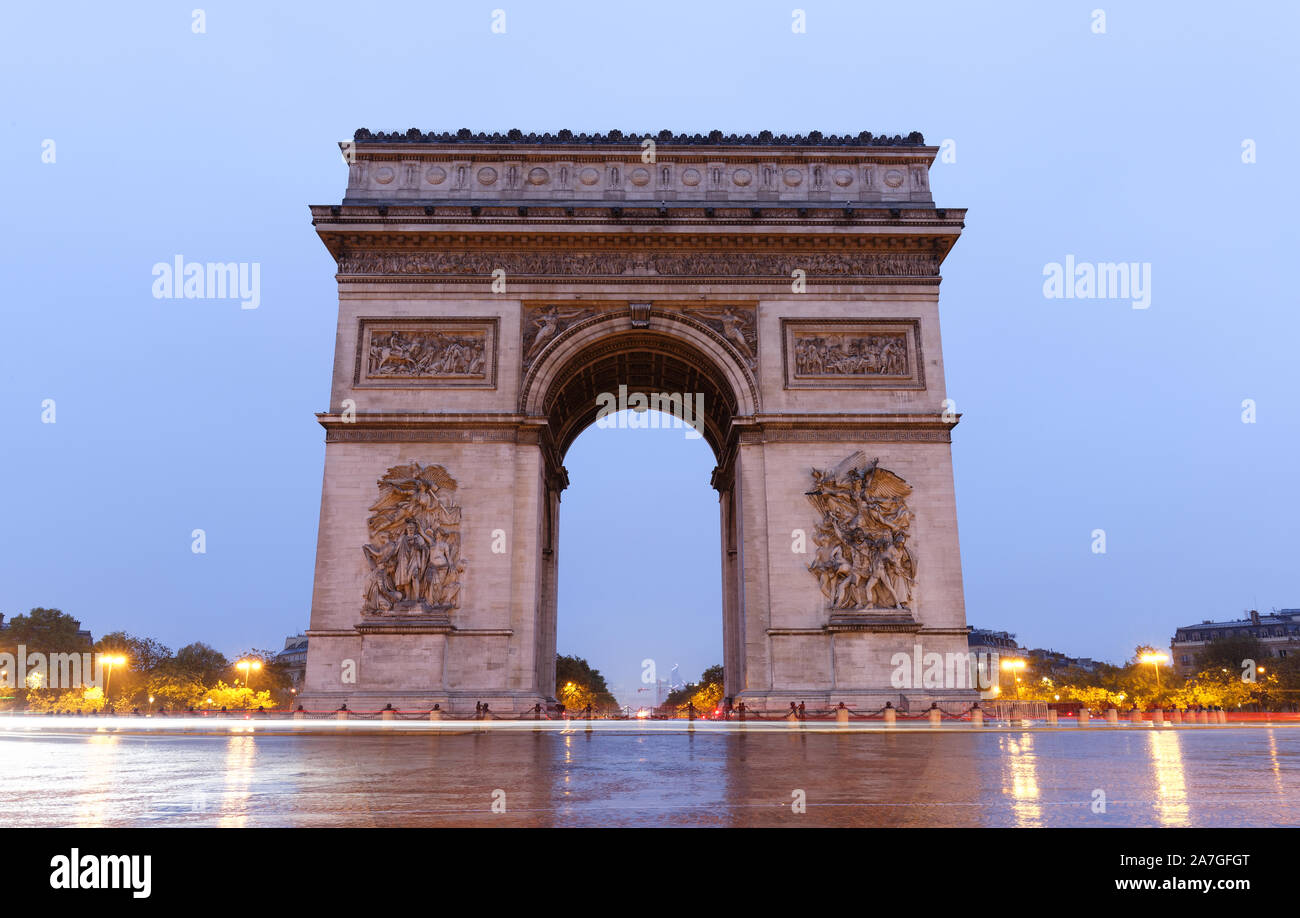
(1278,632)
(1003,643)
(1051,661)
(294,658)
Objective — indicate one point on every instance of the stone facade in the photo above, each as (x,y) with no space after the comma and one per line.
(492,288)
(1277,631)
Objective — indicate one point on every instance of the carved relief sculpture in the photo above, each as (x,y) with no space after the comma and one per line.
(737,324)
(850,355)
(414,551)
(618,264)
(863,561)
(426,353)
(543,323)
(843,353)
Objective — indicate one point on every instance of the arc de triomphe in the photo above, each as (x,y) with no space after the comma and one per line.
(496,290)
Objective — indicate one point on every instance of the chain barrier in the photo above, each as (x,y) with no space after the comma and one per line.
(533,714)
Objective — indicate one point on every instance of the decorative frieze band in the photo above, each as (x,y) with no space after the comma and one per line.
(679,167)
(739,265)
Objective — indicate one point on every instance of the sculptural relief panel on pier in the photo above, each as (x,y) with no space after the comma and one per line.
(414,552)
(426,353)
(852,353)
(864,561)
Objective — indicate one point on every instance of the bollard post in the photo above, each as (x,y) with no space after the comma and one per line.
(1112,716)
(1051,717)
(388,714)
(1175,716)
(300,714)
(890,714)
(342,713)
(936,718)
(976,715)
(1201,716)
(1084,716)
(1135,716)
(1158,717)
(1223,715)
(436,713)
(841,714)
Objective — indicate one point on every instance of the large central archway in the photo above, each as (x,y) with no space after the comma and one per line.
(671,361)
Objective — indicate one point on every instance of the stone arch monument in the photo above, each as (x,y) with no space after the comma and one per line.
(779,294)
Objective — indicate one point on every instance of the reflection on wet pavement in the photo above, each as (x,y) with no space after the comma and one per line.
(1013,778)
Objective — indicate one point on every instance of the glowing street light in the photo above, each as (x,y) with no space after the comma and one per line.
(1013,665)
(1155,659)
(112,660)
(248,667)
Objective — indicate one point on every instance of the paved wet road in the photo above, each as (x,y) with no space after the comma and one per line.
(1149,777)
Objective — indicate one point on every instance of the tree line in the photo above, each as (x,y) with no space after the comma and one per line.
(1230,672)
(150,678)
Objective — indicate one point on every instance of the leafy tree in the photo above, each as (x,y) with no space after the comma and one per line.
(143,654)
(706,698)
(235,698)
(1094,698)
(143,657)
(705,694)
(76,701)
(273,677)
(588,685)
(45,631)
(200,662)
(1215,688)
(174,688)
(181,680)
(575,697)
(1230,652)
(1282,686)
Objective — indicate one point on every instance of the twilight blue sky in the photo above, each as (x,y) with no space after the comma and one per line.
(1078,414)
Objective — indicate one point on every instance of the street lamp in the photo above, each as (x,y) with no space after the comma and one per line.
(112,660)
(1155,659)
(1013,666)
(248,667)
